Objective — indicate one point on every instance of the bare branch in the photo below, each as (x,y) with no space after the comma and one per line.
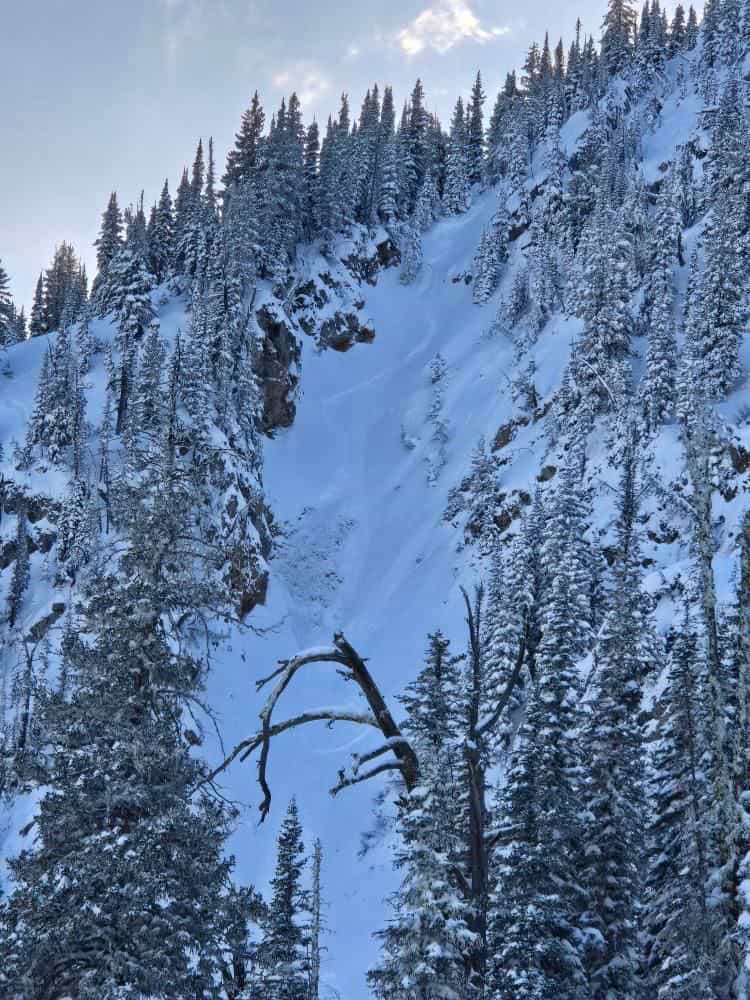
(344,782)
(344,655)
(365,758)
(250,745)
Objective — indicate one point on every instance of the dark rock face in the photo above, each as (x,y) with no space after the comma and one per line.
(344,330)
(40,628)
(365,267)
(277,369)
(327,305)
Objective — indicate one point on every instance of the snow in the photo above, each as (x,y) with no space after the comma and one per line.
(362,511)
(365,548)
(368,550)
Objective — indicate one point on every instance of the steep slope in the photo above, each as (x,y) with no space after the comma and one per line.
(360,483)
(367,549)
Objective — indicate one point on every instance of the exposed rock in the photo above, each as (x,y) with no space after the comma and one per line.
(37,507)
(343,330)
(666,534)
(276,370)
(45,540)
(365,267)
(507,432)
(39,629)
(7,554)
(740,458)
(389,254)
(548,472)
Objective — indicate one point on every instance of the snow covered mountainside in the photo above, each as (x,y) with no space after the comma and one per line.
(534,378)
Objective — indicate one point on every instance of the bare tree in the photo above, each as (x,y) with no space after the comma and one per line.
(315,925)
(341,652)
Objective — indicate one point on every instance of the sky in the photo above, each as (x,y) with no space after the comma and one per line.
(101,96)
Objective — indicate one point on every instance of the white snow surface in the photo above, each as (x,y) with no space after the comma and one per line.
(368,552)
(366,549)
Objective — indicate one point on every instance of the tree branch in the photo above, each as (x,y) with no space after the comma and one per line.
(344,782)
(379,717)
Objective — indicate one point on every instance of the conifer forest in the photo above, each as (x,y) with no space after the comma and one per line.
(375,549)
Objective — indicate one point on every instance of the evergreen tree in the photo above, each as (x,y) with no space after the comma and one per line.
(283,953)
(311,198)
(37,319)
(613,790)
(428,940)
(512,618)
(127,293)
(121,893)
(691,31)
(491,255)
(19,329)
(602,368)
(678,924)
(19,580)
(316,922)
(618,28)
(57,425)
(659,389)
(182,220)
(65,289)
(537,898)
(410,245)
(109,242)
(677,31)
(475,132)
(243,160)
(7,311)
(389,196)
(457,196)
(161,236)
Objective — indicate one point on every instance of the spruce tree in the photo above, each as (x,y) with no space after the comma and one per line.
(679,933)
(109,242)
(426,946)
(617,35)
(37,319)
(243,160)
(121,893)
(161,236)
(475,132)
(659,390)
(283,952)
(491,255)
(457,196)
(19,580)
(7,311)
(537,897)
(613,788)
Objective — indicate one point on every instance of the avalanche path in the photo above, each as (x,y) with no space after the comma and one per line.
(366,550)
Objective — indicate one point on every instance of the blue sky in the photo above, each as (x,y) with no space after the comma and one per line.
(102,95)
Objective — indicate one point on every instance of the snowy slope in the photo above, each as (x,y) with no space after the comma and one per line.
(368,550)
(365,545)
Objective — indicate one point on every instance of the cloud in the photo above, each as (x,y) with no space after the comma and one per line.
(185,22)
(307,79)
(445,24)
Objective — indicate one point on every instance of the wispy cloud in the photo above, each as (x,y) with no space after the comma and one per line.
(186,21)
(443,25)
(306,78)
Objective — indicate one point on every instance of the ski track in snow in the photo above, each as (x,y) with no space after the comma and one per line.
(365,548)
(343,465)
